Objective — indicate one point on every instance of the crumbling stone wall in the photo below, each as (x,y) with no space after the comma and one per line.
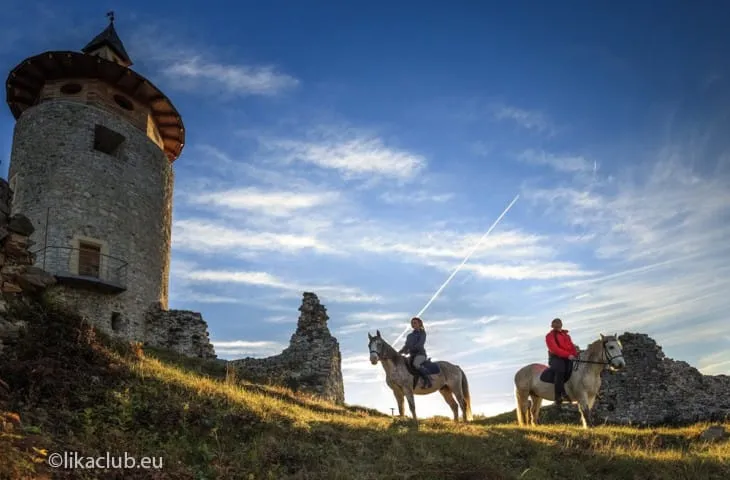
(311,363)
(17,274)
(183,331)
(656,390)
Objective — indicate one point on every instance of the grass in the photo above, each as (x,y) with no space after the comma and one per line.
(75,390)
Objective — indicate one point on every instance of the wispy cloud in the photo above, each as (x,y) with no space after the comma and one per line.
(194,73)
(354,154)
(561,163)
(528,119)
(198,70)
(209,237)
(331,293)
(276,203)
(415,197)
(245,348)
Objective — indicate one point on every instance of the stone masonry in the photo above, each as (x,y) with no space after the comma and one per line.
(311,363)
(656,390)
(120,201)
(91,166)
(181,330)
(18,276)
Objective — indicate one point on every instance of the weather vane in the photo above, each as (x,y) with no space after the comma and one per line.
(110,14)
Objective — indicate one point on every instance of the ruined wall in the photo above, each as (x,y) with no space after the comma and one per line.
(311,363)
(17,275)
(655,390)
(183,331)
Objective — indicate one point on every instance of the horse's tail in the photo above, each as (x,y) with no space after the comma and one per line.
(467,396)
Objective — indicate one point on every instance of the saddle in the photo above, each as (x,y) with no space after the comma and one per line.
(548,375)
(431,367)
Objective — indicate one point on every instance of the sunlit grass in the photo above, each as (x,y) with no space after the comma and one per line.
(78,391)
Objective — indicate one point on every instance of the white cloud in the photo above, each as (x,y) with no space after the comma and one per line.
(378,317)
(194,73)
(415,197)
(275,203)
(212,237)
(715,364)
(328,293)
(561,163)
(244,348)
(528,119)
(195,69)
(353,155)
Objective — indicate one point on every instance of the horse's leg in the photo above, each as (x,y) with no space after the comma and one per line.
(458,392)
(585,410)
(411,404)
(399,400)
(536,403)
(448,395)
(522,408)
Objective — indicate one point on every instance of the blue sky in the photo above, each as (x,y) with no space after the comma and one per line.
(360,151)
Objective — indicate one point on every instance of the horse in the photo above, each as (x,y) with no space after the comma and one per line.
(449,379)
(535,382)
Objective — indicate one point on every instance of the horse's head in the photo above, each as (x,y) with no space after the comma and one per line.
(612,348)
(375,345)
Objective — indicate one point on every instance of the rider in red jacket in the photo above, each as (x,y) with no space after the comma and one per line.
(561,352)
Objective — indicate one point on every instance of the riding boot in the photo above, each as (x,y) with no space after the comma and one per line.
(426,377)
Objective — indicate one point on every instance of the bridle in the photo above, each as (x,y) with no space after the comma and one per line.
(374,351)
(609,357)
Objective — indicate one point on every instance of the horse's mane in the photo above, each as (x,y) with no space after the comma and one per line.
(390,352)
(594,352)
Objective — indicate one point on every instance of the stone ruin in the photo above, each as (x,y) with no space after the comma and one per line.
(311,363)
(182,331)
(18,276)
(656,390)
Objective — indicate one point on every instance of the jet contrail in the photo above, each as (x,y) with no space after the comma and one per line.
(461,265)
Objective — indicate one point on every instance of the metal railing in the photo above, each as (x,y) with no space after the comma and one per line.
(82,264)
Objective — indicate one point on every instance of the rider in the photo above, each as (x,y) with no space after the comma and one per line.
(561,353)
(415,347)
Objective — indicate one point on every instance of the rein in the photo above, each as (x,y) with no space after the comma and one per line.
(607,354)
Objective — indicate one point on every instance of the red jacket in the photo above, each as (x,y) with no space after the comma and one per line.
(564,347)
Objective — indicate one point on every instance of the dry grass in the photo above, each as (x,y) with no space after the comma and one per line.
(77,391)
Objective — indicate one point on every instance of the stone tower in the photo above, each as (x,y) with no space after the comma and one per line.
(91,167)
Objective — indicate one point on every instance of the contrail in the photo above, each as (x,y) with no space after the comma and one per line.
(460,265)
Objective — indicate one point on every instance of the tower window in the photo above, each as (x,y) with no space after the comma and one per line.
(89,259)
(116,321)
(70,88)
(124,102)
(107,140)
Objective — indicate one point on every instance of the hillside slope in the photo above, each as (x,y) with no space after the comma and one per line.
(70,389)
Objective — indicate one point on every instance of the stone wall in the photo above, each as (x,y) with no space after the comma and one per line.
(180,330)
(311,363)
(656,390)
(122,200)
(18,276)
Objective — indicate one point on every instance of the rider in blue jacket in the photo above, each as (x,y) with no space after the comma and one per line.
(415,347)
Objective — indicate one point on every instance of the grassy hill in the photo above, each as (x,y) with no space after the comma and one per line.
(71,389)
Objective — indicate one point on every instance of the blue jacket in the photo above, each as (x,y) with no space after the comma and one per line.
(415,343)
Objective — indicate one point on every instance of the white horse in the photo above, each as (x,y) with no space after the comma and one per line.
(534,382)
(450,380)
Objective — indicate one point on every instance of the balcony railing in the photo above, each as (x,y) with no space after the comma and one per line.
(77,266)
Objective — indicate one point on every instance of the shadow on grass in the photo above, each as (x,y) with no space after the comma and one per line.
(68,384)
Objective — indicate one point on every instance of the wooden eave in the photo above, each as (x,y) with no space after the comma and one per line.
(25,81)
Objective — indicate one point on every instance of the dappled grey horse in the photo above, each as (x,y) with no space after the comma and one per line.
(449,379)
